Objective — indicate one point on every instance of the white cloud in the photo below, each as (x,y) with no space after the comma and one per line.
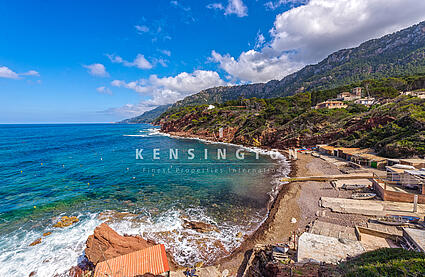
(140,61)
(259,41)
(233,7)
(272,5)
(167,90)
(6,72)
(308,33)
(97,69)
(254,66)
(236,7)
(30,73)
(215,6)
(142,28)
(165,52)
(104,90)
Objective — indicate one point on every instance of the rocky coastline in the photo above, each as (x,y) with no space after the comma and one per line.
(105,243)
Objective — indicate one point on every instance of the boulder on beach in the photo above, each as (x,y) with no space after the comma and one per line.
(106,244)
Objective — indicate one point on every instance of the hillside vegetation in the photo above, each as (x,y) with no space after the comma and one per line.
(394,128)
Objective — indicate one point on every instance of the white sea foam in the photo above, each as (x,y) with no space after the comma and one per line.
(61,250)
(56,253)
(148,133)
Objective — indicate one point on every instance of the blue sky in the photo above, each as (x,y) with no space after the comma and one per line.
(102,61)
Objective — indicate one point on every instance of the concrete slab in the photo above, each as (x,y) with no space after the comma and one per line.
(351,206)
(323,249)
(371,243)
(333,230)
(416,236)
(370,207)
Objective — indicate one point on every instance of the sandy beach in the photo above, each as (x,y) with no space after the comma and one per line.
(297,200)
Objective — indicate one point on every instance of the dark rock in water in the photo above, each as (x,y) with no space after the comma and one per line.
(76,271)
(199,226)
(106,244)
(47,234)
(37,241)
(32,273)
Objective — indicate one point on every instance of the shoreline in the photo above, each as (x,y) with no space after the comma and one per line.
(287,194)
(297,200)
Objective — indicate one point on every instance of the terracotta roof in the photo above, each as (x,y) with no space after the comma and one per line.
(149,260)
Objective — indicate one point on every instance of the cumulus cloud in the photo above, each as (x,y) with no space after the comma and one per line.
(140,61)
(236,7)
(97,69)
(167,90)
(104,90)
(255,66)
(8,73)
(308,33)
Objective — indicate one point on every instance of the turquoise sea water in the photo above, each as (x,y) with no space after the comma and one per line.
(91,171)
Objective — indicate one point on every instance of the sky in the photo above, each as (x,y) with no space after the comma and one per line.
(103,61)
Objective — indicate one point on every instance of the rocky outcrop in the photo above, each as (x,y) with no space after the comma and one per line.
(105,244)
(66,221)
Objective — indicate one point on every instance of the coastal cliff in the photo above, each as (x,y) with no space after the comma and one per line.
(395,128)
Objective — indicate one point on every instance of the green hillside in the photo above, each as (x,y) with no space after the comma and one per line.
(394,128)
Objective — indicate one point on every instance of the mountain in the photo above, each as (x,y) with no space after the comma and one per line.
(148,116)
(397,54)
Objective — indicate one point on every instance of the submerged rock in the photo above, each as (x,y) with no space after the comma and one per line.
(37,241)
(106,244)
(199,226)
(66,221)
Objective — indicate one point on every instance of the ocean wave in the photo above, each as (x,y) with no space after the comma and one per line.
(56,254)
(61,250)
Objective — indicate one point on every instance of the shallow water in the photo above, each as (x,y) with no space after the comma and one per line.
(47,171)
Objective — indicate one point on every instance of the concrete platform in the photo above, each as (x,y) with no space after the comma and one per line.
(323,249)
(333,230)
(370,207)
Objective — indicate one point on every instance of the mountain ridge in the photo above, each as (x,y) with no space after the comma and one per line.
(397,54)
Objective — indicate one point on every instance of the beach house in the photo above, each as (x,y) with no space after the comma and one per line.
(331,104)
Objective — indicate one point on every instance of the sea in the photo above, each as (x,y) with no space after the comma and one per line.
(124,175)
